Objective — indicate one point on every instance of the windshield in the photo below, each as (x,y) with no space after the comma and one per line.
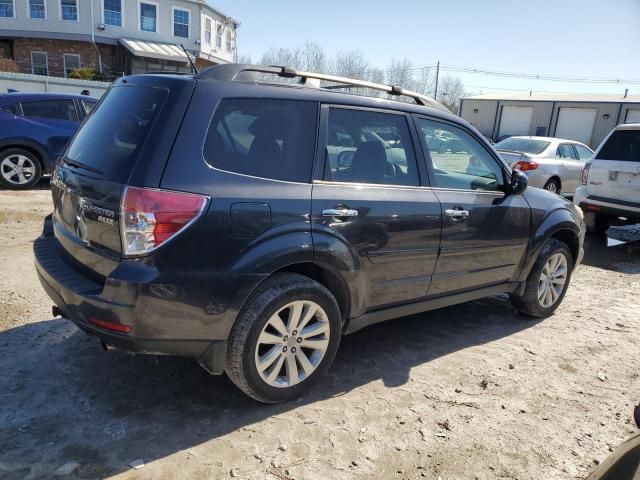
(522,145)
(110,140)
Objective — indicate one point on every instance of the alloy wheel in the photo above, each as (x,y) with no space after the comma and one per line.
(292,344)
(552,280)
(552,187)
(17,169)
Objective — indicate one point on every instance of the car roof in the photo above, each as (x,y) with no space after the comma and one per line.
(547,139)
(22,96)
(628,126)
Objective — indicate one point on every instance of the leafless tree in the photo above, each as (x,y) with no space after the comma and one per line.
(450,91)
(352,64)
(423,81)
(400,73)
(313,58)
(282,56)
(243,59)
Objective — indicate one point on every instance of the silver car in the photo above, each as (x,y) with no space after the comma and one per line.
(554,164)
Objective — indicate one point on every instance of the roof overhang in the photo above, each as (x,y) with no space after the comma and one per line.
(160,51)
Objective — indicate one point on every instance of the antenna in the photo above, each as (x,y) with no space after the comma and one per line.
(193,65)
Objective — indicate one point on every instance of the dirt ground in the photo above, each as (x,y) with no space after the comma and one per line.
(472,391)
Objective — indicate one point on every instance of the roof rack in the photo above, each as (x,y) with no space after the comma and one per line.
(250,73)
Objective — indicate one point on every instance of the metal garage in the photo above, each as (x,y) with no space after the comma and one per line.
(633,116)
(576,123)
(584,117)
(515,121)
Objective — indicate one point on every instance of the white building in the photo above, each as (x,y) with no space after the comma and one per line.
(113,37)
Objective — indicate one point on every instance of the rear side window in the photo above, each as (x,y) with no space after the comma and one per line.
(110,140)
(583,152)
(263,138)
(622,145)
(565,151)
(52,109)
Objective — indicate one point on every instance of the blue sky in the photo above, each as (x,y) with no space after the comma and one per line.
(587,38)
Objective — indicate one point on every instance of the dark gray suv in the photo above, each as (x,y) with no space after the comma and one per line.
(250,222)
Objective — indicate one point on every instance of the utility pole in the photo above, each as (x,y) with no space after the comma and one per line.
(435,91)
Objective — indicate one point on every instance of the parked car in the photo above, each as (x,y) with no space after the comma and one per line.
(34,130)
(197,216)
(610,191)
(554,164)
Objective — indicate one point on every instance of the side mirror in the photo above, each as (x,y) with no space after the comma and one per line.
(519,182)
(345,159)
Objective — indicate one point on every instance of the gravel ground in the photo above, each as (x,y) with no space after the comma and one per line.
(472,391)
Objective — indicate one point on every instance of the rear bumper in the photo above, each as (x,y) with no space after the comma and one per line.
(605,206)
(80,299)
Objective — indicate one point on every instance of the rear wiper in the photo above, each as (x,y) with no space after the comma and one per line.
(82,166)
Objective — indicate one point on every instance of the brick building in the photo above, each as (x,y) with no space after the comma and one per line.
(112,37)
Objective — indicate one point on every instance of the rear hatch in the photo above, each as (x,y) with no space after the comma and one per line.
(615,168)
(126,140)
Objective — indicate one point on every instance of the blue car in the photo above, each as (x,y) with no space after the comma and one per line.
(34,130)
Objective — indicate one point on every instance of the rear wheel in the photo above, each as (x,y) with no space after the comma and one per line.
(19,169)
(285,339)
(552,186)
(547,282)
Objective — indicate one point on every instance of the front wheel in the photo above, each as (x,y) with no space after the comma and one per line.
(547,282)
(285,339)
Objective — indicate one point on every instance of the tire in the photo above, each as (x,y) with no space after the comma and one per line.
(529,302)
(29,173)
(255,323)
(595,222)
(552,186)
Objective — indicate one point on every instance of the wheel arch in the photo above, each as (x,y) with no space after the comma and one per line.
(32,147)
(559,224)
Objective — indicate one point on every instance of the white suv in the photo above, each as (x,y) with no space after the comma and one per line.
(610,191)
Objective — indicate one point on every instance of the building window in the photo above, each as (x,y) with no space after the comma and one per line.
(148,17)
(207,30)
(69,10)
(180,22)
(228,37)
(37,10)
(6,9)
(71,63)
(39,63)
(219,28)
(113,12)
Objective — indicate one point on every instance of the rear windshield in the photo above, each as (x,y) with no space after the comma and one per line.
(622,145)
(110,140)
(522,145)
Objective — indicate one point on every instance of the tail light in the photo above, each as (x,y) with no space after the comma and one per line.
(585,173)
(526,166)
(151,217)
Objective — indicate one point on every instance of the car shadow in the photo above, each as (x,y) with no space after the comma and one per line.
(64,399)
(43,184)
(608,254)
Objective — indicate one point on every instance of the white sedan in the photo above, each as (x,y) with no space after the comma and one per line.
(554,164)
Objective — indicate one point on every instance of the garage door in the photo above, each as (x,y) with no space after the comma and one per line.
(515,121)
(633,116)
(576,124)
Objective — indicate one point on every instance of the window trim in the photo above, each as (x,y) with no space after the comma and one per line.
(148,2)
(204,37)
(122,16)
(320,163)
(46,14)
(64,61)
(221,35)
(173,23)
(13,9)
(77,20)
(46,56)
(506,171)
(228,32)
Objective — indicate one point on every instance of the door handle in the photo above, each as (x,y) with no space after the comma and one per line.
(339,212)
(456,213)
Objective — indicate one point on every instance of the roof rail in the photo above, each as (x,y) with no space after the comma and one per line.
(250,73)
